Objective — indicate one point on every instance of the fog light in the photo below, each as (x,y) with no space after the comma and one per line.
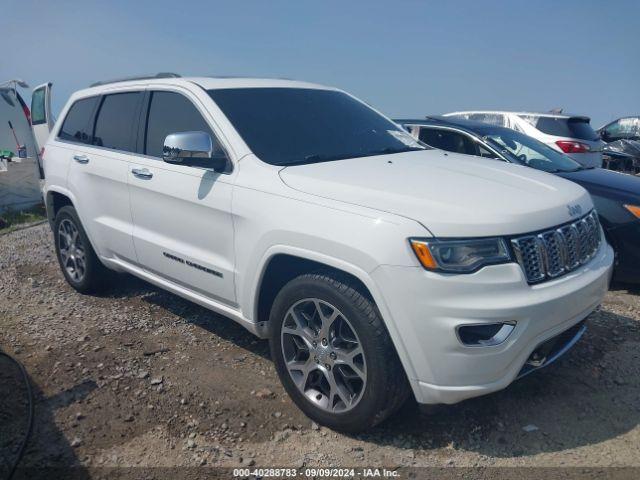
(486,334)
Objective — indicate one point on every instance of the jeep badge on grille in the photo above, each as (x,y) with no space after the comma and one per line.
(575,210)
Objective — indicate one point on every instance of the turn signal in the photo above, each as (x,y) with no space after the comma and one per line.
(633,209)
(424,255)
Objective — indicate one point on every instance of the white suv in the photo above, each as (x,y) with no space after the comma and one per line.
(376,266)
(569,134)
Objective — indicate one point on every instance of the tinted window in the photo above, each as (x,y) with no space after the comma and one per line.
(78,124)
(173,113)
(288,126)
(448,140)
(486,153)
(116,121)
(4,93)
(567,127)
(37,107)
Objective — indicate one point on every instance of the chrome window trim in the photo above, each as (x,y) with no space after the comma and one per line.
(137,155)
(111,89)
(472,137)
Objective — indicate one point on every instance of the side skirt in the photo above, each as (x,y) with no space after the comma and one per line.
(258,329)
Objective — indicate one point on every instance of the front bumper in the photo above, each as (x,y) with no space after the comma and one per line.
(427,307)
(551,350)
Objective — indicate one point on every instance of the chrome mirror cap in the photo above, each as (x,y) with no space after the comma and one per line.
(182,146)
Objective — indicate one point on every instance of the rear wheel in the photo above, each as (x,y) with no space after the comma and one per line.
(333,354)
(78,261)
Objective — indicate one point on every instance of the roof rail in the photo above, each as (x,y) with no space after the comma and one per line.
(143,77)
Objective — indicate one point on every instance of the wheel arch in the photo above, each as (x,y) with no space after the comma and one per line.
(283,264)
(280,268)
(55,199)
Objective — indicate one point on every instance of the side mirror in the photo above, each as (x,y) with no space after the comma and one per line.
(194,149)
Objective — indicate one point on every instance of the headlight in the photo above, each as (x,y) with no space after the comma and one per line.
(634,209)
(460,256)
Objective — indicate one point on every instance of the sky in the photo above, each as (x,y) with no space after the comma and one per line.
(408,58)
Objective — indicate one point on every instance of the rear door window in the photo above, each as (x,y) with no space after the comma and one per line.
(116,120)
(567,127)
(78,124)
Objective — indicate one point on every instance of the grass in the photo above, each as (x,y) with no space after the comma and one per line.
(12,219)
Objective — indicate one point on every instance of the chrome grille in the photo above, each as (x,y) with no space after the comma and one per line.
(553,253)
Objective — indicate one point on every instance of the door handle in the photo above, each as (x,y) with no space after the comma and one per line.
(83,159)
(142,173)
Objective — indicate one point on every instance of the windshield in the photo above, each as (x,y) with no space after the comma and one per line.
(529,151)
(294,126)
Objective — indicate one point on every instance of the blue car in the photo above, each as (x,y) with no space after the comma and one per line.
(615,195)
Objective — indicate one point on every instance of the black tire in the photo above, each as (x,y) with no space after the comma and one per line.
(386,387)
(96,276)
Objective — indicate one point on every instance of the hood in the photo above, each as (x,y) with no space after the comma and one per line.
(599,181)
(451,195)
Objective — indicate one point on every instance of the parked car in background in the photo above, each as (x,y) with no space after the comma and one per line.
(622,156)
(615,195)
(622,149)
(626,128)
(569,134)
(375,265)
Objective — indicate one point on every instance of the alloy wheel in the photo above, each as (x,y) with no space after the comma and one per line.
(323,355)
(72,251)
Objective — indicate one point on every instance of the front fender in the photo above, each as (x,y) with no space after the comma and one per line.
(339,264)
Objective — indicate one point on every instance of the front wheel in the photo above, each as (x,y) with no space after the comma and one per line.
(333,353)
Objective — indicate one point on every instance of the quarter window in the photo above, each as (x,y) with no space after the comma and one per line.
(78,123)
(116,121)
(172,113)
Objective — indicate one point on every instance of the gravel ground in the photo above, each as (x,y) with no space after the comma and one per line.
(140,377)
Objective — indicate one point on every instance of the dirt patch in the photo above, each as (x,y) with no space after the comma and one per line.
(141,377)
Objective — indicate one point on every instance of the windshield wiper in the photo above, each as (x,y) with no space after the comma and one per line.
(317,158)
(314,158)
